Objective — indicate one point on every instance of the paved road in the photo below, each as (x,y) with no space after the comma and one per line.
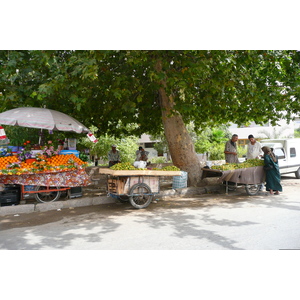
(212,222)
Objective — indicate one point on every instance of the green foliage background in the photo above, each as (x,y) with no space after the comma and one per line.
(112,89)
(127,145)
(102,87)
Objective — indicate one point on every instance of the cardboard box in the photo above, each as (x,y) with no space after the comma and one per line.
(152,182)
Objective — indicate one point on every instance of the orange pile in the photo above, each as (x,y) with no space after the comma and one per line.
(52,162)
(6,160)
(60,160)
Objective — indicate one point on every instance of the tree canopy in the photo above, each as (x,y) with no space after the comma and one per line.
(156,90)
(102,87)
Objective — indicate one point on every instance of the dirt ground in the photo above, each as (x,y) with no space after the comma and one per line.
(290,186)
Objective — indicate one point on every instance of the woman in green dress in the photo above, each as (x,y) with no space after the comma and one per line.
(272,171)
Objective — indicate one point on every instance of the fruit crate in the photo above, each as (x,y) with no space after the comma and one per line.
(116,185)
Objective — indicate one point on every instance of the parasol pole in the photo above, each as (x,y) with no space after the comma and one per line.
(41,138)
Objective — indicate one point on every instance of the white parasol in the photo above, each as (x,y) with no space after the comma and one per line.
(42,118)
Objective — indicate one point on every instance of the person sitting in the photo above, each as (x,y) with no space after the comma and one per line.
(113,156)
(138,153)
(141,154)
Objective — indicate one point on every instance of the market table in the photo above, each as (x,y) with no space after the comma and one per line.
(48,185)
(252,177)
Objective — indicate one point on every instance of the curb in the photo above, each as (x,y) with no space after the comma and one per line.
(89,201)
(42,207)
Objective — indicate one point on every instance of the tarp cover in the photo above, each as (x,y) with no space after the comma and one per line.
(253,175)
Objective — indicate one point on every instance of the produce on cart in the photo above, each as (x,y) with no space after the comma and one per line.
(138,186)
(49,175)
(249,173)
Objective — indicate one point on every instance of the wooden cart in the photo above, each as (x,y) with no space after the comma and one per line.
(47,186)
(136,186)
(252,178)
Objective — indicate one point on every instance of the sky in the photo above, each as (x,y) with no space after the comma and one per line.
(133,24)
(149,25)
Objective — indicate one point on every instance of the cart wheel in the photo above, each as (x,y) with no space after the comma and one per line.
(46,196)
(140,195)
(252,189)
(123,199)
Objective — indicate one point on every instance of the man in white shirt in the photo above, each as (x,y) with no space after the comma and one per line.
(254,151)
(254,148)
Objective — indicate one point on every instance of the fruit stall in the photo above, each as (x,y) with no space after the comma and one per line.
(134,185)
(249,173)
(45,177)
(43,172)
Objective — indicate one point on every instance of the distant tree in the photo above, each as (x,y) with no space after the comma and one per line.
(276,133)
(212,141)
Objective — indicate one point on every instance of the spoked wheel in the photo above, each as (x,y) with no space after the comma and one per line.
(252,189)
(140,195)
(46,196)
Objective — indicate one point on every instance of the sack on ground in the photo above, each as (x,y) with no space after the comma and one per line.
(180,182)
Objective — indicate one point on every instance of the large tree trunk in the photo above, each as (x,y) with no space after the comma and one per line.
(179,141)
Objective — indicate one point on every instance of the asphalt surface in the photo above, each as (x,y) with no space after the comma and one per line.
(200,222)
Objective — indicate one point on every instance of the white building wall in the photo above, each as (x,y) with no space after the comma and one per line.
(284,129)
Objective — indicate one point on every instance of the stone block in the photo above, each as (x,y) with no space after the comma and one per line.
(103,200)
(191,191)
(214,189)
(40,207)
(168,194)
(78,202)
(16,209)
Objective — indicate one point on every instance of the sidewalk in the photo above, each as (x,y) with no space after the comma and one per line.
(95,194)
(89,200)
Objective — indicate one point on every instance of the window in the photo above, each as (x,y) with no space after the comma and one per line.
(242,142)
(149,145)
(280,153)
(293,152)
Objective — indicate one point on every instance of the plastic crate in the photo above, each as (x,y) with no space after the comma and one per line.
(29,188)
(65,152)
(11,195)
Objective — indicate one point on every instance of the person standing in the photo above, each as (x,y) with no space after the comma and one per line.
(272,171)
(231,154)
(113,156)
(254,148)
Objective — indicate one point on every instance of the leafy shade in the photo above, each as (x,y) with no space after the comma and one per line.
(102,87)
(155,90)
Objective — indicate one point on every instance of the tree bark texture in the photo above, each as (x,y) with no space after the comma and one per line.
(179,141)
(180,144)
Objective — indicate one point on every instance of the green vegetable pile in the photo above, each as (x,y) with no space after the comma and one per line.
(129,166)
(247,164)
